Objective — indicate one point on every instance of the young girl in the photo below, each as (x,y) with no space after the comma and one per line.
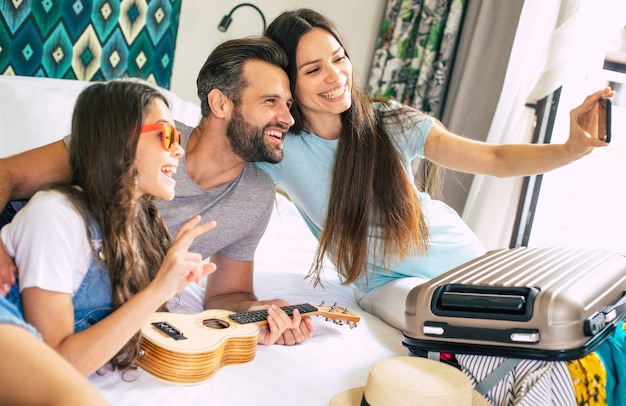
(347,167)
(95,259)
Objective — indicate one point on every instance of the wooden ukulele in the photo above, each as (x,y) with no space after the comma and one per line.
(190,348)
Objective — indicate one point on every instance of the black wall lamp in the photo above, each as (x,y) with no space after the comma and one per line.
(227,19)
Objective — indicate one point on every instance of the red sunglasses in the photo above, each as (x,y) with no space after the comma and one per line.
(169,134)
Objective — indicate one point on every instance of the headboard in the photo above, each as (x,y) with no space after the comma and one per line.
(36,111)
(89,40)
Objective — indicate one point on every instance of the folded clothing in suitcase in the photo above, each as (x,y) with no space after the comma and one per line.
(540,303)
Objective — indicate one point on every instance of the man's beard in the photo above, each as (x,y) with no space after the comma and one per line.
(248,141)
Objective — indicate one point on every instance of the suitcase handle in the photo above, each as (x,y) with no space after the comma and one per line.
(485,302)
(515,304)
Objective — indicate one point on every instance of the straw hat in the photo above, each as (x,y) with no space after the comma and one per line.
(407,380)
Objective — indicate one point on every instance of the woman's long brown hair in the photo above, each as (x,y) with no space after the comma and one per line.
(105,131)
(370,192)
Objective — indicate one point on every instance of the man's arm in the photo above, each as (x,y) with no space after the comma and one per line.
(23,174)
(230,287)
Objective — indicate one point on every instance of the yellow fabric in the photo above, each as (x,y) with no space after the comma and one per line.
(589,379)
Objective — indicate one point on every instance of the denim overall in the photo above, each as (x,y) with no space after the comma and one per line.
(9,211)
(92,301)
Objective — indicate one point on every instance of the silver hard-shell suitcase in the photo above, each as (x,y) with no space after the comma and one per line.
(540,303)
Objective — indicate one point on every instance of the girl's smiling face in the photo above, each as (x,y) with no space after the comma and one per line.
(156,165)
(324,75)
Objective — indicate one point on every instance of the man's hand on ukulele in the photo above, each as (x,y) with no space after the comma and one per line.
(282,329)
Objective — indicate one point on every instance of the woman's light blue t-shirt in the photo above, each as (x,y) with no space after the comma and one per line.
(306,171)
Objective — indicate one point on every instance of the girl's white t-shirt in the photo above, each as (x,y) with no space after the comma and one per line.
(48,240)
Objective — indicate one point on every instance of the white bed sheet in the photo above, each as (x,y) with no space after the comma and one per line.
(335,359)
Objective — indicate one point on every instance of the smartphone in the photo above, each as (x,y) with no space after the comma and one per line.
(604,119)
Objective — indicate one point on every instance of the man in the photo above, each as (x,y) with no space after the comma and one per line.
(245,101)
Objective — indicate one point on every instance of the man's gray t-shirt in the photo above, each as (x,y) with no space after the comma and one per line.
(242,208)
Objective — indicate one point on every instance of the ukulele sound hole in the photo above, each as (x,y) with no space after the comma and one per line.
(217,324)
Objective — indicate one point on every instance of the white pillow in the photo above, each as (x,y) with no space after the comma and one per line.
(36,111)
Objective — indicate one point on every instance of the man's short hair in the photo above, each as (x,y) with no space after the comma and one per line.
(223,68)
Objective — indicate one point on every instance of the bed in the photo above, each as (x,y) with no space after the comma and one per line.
(36,111)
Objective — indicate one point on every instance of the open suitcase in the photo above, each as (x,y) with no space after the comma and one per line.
(539,303)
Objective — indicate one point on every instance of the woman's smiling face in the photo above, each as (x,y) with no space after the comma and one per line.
(324,75)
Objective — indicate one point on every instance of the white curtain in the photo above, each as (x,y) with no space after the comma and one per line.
(555,43)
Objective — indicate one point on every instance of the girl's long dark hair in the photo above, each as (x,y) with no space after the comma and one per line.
(105,131)
(370,192)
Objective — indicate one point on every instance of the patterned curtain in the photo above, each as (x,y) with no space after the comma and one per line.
(415,51)
(89,39)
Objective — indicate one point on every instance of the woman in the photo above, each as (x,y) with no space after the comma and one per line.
(32,373)
(347,168)
(95,259)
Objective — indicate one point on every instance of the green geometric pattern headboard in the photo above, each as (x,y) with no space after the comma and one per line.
(89,39)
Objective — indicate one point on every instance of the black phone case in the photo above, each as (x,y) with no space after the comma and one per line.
(607,117)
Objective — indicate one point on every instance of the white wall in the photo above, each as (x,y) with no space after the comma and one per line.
(198,34)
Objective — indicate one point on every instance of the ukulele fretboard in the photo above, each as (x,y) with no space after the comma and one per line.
(261,315)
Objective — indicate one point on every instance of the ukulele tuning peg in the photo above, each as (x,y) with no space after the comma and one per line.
(333,307)
(352,324)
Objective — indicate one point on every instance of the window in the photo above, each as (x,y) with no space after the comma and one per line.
(584,204)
